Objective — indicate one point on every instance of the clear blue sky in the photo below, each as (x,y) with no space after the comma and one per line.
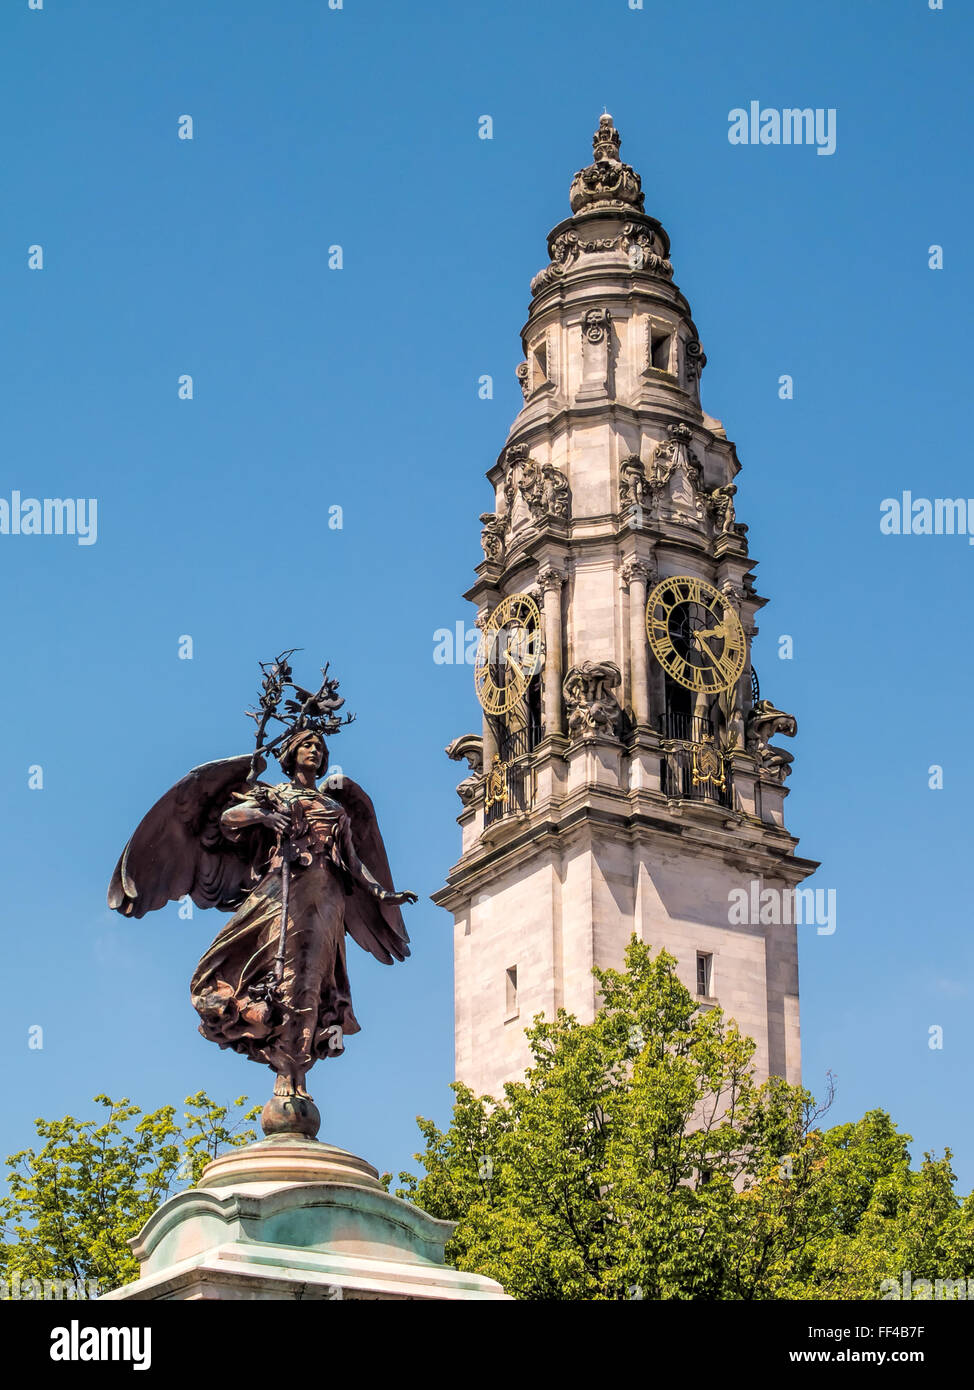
(358,388)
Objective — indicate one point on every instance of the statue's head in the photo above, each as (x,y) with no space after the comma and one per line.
(304,749)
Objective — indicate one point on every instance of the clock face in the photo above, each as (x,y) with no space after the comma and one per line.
(695,634)
(510,654)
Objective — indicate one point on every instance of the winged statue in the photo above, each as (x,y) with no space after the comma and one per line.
(298,866)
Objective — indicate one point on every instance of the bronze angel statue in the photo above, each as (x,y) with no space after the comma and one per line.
(298,866)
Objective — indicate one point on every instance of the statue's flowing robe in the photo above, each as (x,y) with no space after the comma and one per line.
(226,988)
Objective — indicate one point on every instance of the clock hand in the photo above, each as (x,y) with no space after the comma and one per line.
(512,661)
(720,631)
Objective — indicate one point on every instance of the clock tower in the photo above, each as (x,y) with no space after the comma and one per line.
(623,779)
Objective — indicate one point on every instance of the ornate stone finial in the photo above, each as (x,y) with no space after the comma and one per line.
(606,140)
(608,182)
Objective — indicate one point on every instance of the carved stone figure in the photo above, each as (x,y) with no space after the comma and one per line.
(722,506)
(721,503)
(541,489)
(554,495)
(634,489)
(763,722)
(677,476)
(674,454)
(299,867)
(591,705)
(492,536)
(729,719)
(469,747)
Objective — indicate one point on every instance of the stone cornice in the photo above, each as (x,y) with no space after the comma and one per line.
(758,849)
(600,283)
(609,533)
(539,431)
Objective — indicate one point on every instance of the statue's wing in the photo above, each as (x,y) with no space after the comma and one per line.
(179,849)
(376,927)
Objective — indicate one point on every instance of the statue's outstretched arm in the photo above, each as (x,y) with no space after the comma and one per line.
(363,875)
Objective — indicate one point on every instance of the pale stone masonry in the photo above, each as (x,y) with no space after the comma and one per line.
(613,478)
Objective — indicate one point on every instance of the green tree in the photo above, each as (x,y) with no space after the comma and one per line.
(640,1157)
(73,1204)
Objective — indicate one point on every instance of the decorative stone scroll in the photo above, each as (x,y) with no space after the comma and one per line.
(639,244)
(694,359)
(563,252)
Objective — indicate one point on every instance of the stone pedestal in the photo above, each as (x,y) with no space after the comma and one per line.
(292,1218)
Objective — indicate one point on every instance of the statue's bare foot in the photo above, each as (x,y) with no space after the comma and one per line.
(290,1110)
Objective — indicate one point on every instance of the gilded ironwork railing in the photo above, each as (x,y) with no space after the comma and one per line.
(690,727)
(693,768)
(677,780)
(513,788)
